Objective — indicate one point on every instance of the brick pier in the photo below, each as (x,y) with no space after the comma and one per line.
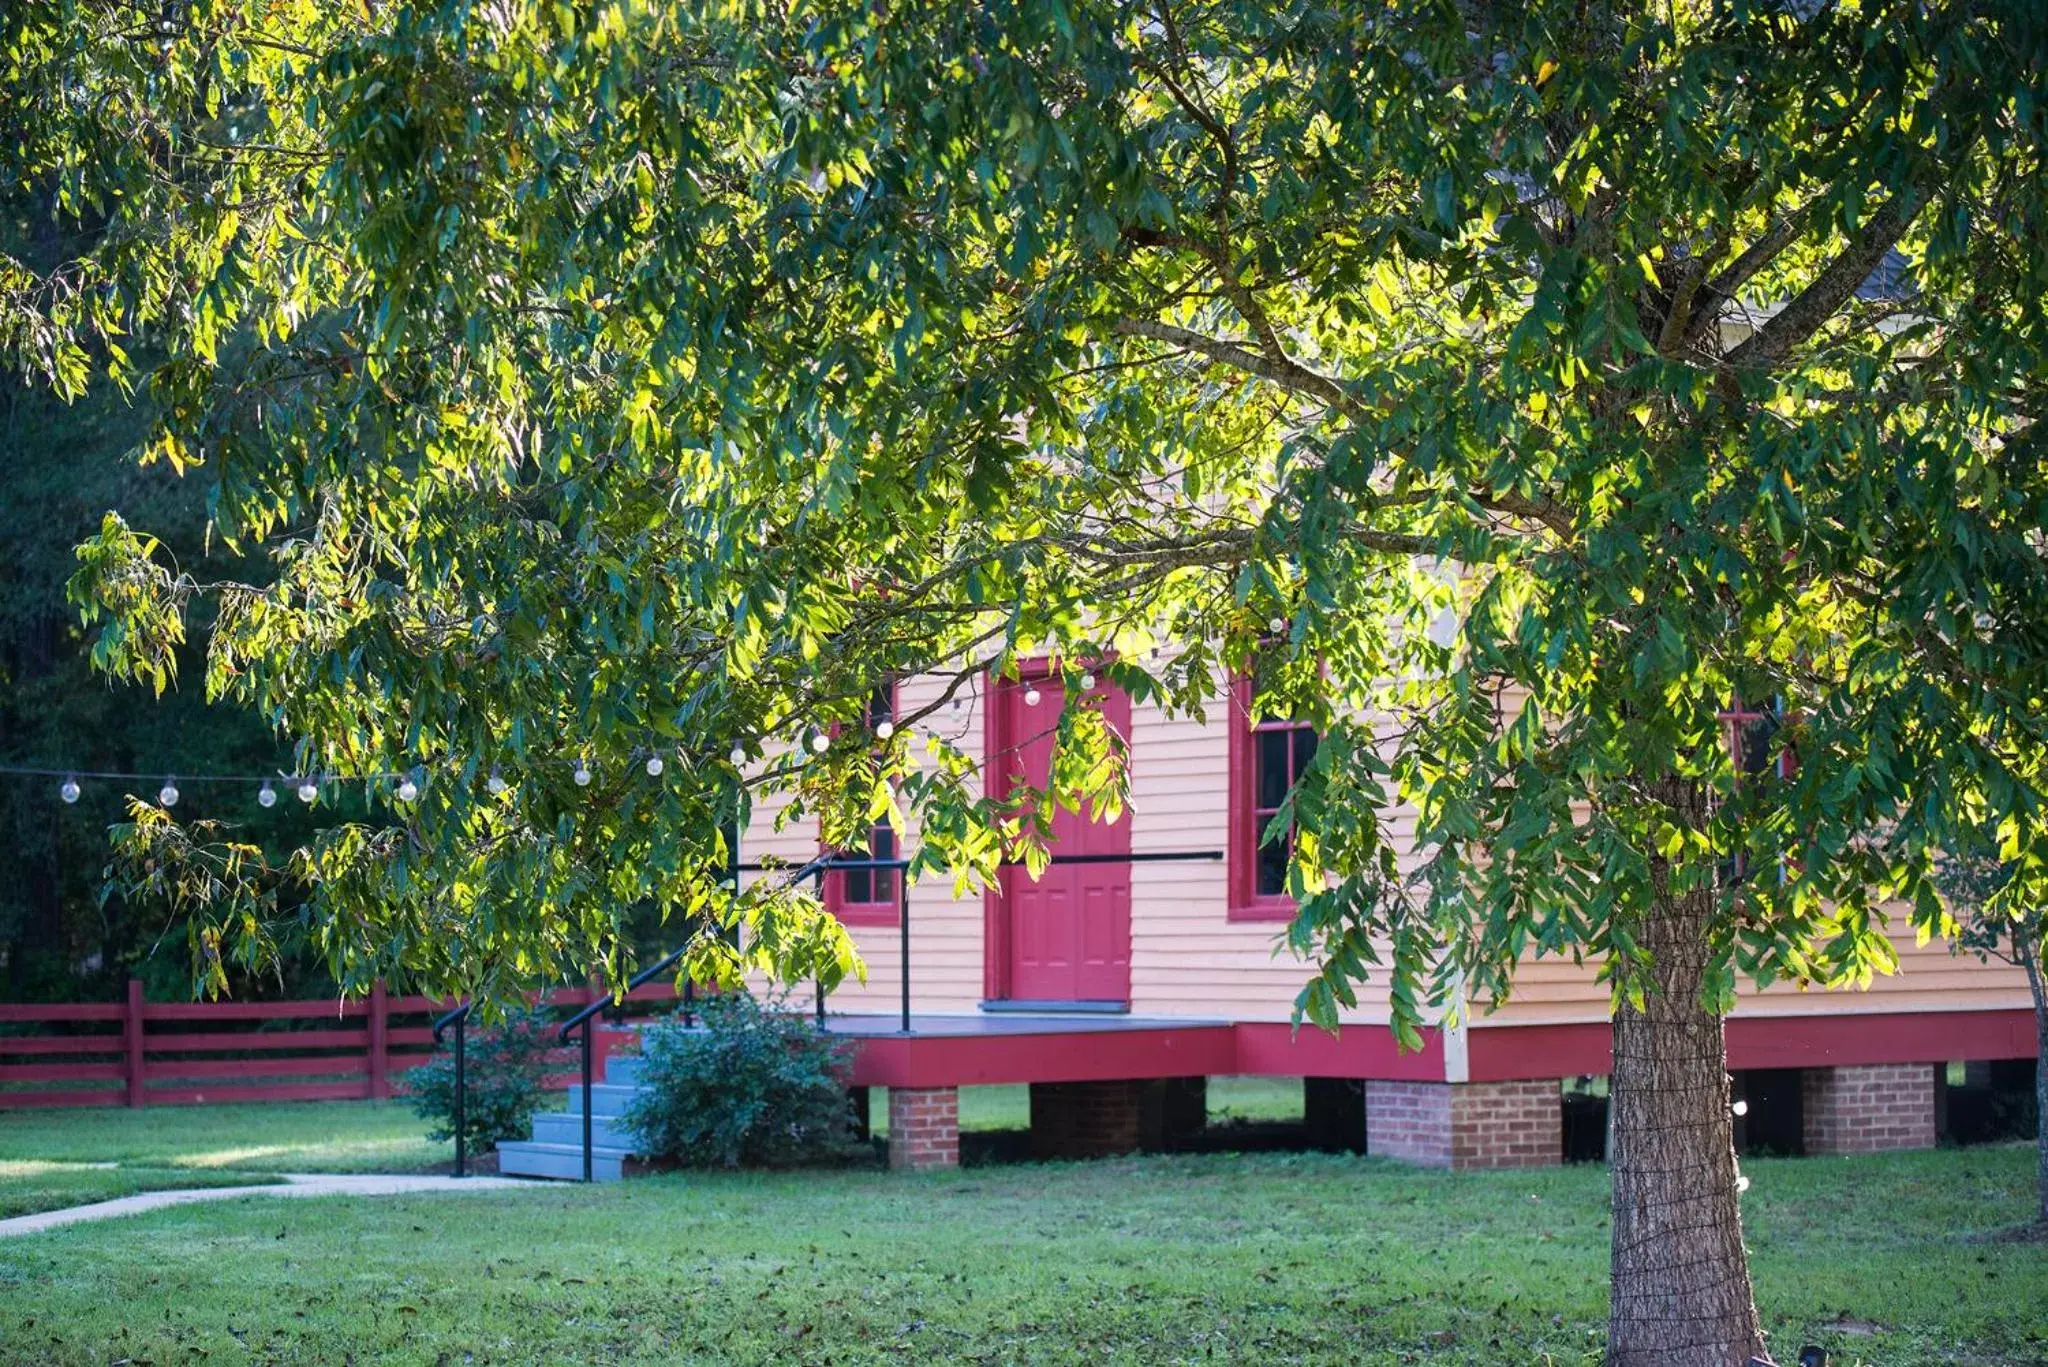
(924,1127)
(1466,1125)
(1872,1108)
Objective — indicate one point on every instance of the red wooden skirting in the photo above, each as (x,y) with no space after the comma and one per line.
(157,1053)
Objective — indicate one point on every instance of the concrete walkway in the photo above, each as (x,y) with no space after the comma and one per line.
(294,1184)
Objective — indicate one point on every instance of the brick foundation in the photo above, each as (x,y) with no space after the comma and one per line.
(1466,1125)
(924,1127)
(1874,1108)
(1087,1119)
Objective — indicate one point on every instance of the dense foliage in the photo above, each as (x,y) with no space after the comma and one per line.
(1511,388)
(750,1084)
(61,467)
(504,1075)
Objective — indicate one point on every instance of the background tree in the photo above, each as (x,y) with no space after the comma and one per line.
(61,467)
(645,377)
(1996,926)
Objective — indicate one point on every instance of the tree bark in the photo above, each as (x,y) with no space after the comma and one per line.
(1680,1276)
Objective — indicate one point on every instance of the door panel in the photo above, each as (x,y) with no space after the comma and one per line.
(1067,935)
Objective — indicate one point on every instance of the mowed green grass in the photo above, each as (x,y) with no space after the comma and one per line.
(1266,1258)
(55,1158)
(50,1159)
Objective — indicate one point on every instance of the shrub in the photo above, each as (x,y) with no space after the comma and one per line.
(505,1070)
(752,1085)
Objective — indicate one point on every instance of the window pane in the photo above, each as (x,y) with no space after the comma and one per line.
(860,885)
(1270,776)
(881,706)
(1272,868)
(1304,748)
(882,845)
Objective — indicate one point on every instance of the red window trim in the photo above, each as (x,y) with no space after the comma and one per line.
(1246,903)
(866,913)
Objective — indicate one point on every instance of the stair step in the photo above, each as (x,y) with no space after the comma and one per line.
(525,1158)
(566,1127)
(606,1098)
(623,1070)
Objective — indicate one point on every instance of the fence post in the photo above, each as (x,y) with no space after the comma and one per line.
(380,1080)
(131,1039)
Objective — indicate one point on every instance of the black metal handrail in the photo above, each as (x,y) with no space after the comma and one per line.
(584,1020)
(459,1018)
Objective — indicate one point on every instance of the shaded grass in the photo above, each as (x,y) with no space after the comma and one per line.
(56,1158)
(1261,1259)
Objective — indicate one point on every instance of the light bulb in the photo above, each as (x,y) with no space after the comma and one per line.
(266,796)
(885,729)
(1031,697)
(69,789)
(1277,625)
(820,742)
(738,755)
(168,794)
(1741,1184)
(308,790)
(407,789)
(1740,1108)
(1087,682)
(654,766)
(582,774)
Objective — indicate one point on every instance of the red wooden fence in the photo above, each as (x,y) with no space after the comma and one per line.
(142,1053)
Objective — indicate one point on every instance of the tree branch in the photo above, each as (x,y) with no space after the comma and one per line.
(1817,303)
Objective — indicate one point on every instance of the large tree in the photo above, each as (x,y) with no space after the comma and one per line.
(1511,389)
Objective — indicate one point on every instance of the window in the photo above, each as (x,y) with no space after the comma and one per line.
(1756,742)
(869,896)
(1266,760)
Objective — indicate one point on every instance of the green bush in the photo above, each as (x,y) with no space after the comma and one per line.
(751,1085)
(505,1070)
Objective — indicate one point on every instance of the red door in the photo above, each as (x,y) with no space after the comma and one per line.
(1065,937)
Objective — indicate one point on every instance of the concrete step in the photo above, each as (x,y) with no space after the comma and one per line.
(566,1127)
(606,1098)
(623,1070)
(525,1158)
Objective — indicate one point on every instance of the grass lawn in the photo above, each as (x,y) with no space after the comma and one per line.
(1260,1259)
(59,1158)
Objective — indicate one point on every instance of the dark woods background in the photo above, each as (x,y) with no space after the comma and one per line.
(61,468)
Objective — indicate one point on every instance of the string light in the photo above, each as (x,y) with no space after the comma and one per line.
(1031,696)
(738,755)
(582,774)
(820,742)
(654,765)
(308,790)
(496,783)
(885,729)
(266,796)
(1087,682)
(1277,625)
(69,790)
(168,794)
(407,789)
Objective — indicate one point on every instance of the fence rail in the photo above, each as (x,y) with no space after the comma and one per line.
(144,1053)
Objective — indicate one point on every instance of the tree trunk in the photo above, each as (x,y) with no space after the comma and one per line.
(1680,1277)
